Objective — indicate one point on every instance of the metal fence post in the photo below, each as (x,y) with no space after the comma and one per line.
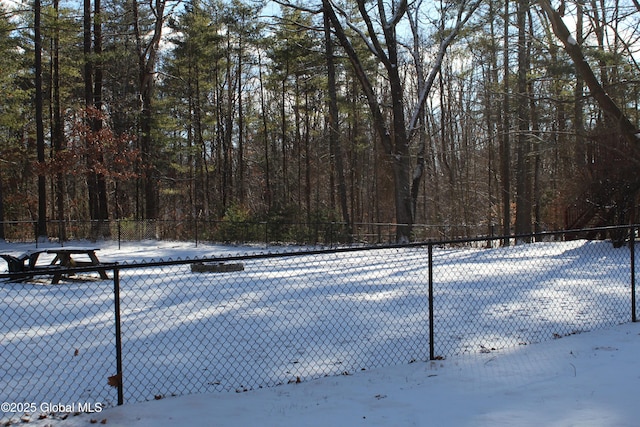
(432,355)
(266,233)
(195,226)
(632,250)
(116,309)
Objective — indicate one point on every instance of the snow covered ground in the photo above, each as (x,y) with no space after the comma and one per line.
(586,380)
(491,306)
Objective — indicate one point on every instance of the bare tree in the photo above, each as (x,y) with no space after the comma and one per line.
(505,139)
(571,46)
(395,132)
(96,184)
(523,169)
(42,192)
(57,131)
(334,135)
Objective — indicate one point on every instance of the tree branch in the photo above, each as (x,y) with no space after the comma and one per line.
(399,13)
(357,30)
(571,46)
(435,69)
(378,50)
(367,87)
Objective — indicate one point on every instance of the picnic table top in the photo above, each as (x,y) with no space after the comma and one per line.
(65,249)
(71,250)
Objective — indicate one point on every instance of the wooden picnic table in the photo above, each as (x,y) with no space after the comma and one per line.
(68,258)
(65,258)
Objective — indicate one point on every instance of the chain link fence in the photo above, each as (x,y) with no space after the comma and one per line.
(232,324)
(328,234)
(56,347)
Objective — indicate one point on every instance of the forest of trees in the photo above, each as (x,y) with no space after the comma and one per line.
(502,116)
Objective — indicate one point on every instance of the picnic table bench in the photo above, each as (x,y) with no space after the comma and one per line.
(16,264)
(65,258)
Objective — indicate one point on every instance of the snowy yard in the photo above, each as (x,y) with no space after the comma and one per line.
(358,317)
(585,380)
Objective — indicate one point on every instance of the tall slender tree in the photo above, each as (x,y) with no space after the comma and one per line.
(523,169)
(147,42)
(57,127)
(11,99)
(334,133)
(92,47)
(39,104)
(505,133)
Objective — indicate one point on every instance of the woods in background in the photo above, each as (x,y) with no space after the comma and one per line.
(503,116)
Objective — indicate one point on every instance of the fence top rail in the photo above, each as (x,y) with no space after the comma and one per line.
(297,253)
(345,249)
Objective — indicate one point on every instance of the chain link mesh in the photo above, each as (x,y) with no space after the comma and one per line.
(279,320)
(525,294)
(56,346)
(294,317)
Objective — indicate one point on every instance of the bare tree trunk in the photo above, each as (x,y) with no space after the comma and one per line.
(505,140)
(227,168)
(418,172)
(334,134)
(265,128)
(103,208)
(241,189)
(284,196)
(493,125)
(392,135)
(42,190)
(200,195)
(535,166)
(147,57)
(2,235)
(92,182)
(307,157)
(297,144)
(578,106)
(96,184)
(57,134)
(523,168)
